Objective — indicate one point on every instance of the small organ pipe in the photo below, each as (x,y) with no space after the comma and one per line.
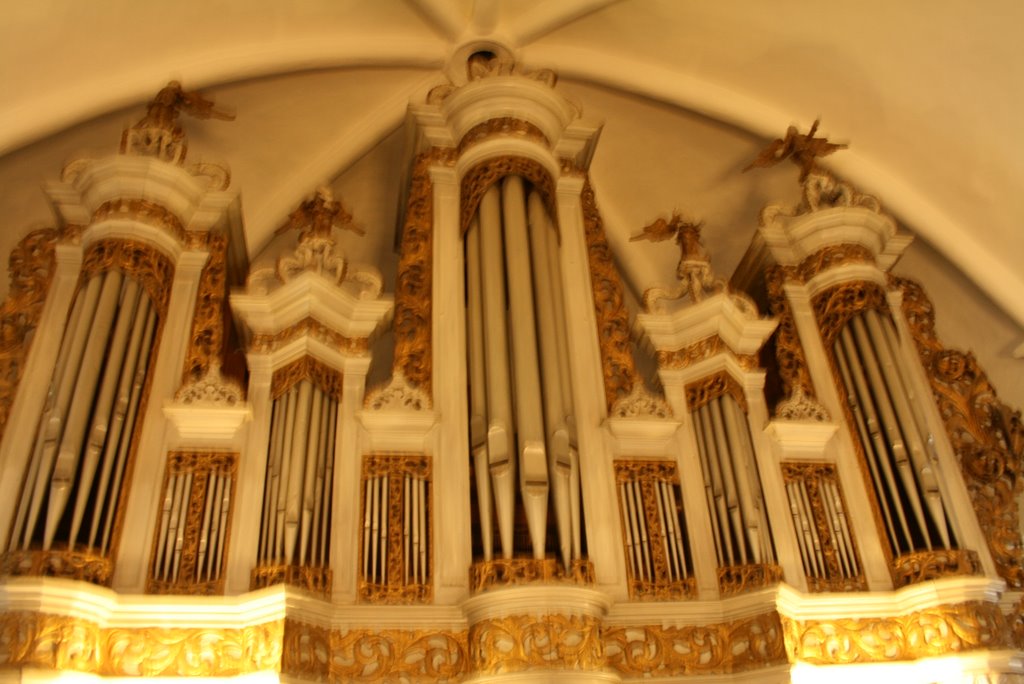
(325,510)
(297,467)
(500,452)
(309,475)
(728,475)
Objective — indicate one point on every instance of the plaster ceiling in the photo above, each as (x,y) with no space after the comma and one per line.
(928,95)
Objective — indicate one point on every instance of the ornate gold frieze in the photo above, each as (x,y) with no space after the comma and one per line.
(206,342)
(811,476)
(921,566)
(739,579)
(834,307)
(414,286)
(507,127)
(613,327)
(713,386)
(701,350)
(928,633)
(831,257)
(264,343)
(505,572)
(58,642)
(329,380)
(400,587)
(314,579)
(137,260)
(481,177)
(720,648)
(986,435)
(31,267)
(190,577)
(81,565)
(386,655)
(524,642)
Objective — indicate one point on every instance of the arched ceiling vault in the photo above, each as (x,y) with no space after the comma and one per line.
(928,95)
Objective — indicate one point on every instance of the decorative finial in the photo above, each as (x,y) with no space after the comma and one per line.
(317,215)
(802,149)
(694,268)
(159,132)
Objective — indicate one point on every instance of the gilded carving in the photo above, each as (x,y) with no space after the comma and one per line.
(713,386)
(388,655)
(414,287)
(613,328)
(264,343)
(720,648)
(831,257)
(640,403)
(739,579)
(150,267)
(159,133)
(315,579)
(81,565)
(58,642)
(802,149)
(789,351)
(699,351)
(206,343)
(398,588)
(523,642)
(505,126)
(143,211)
(481,177)
(504,572)
(329,380)
(812,476)
(834,307)
(921,566)
(937,631)
(986,435)
(31,267)
(199,466)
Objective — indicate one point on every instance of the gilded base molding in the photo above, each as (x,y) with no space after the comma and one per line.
(986,435)
(314,579)
(504,572)
(922,566)
(525,642)
(77,565)
(721,648)
(932,632)
(58,642)
(387,655)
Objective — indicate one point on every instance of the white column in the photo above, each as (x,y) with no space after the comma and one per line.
(346,518)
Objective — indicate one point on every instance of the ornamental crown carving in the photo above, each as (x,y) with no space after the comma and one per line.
(211,390)
(821,190)
(318,220)
(484,64)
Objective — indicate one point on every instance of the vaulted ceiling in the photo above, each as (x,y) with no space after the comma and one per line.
(929,96)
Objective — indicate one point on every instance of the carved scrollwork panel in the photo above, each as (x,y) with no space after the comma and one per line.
(481,177)
(313,578)
(329,380)
(834,307)
(524,642)
(264,343)
(137,260)
(789,351)
(206,343)
(504,572)
(713,386)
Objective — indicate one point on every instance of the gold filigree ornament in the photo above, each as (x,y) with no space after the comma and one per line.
(206,342)
(720,648)
(505,572)
(30,267)
(928,633)
(58,642)
(137,260)
(329,380)
(986,435)
(264,343)
(789,351)
(524,642)
(713,386)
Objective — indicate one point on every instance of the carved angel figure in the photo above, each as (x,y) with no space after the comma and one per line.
(802,149)
(317,215)
(166,107)
(694,268)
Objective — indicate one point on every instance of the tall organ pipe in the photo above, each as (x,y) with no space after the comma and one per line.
(478,385)
(500,452)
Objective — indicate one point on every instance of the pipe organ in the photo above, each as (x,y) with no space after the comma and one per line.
(788,497)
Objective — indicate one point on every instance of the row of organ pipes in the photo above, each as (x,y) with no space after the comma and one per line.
(521,416)
(82,444)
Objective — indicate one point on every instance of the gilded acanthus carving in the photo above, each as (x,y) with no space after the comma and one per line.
(31,267)
(77,565)
(143,211)
(150,267)
(328,379)
(159,133)
(640,403)
(831,257)
(315,579)
(921,566)
(481,177)
(720,648)
(503,572)
(986,435)
(413,290)
(799,407)
(620,373)
(937,631)
(789,351)
(523,642)
(386,655)
(739,579)
(713,386)
(58,642)
(397,394)
(264,343)
(206,343)
(701,350)
(211,389)
(834,307)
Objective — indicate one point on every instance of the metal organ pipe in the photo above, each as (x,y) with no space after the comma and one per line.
(478,384)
